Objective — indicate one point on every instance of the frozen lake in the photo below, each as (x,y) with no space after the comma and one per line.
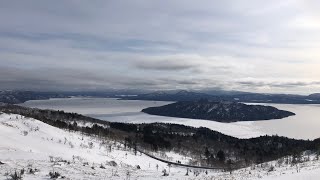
(305,125)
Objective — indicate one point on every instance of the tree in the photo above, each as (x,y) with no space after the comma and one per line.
(187,174)
(221,156)
(207,152)
(135,148)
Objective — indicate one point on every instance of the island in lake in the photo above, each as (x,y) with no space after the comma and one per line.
(218,111)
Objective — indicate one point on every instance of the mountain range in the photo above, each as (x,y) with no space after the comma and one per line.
(228,96)
(15,97)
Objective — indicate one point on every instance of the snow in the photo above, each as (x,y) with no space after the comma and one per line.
(17,150)
(26,143)
(303,175)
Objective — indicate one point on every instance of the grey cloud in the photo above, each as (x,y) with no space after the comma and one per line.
(167,65)
(168,44)
(186,82)
(278,84)
(72,79)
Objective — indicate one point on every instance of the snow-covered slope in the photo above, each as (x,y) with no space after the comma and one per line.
(27,143)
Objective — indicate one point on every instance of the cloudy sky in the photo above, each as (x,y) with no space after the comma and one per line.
(251,45)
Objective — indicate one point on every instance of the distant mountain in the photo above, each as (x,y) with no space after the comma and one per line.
(182,95)
(271,98)
(218,111)
(234,96)
(315,96)
(222,92)
(15,97)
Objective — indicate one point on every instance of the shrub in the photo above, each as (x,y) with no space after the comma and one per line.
(16,175)
(54,175)
(25,133)
(271,168)
(164,171)
(112,163)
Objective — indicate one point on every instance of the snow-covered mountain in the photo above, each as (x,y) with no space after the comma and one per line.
(36,149)
(26,143)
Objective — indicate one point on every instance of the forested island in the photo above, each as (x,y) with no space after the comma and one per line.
(218,111)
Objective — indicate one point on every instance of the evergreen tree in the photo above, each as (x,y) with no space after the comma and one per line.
(221,156)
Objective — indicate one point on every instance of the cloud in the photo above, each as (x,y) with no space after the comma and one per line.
(284,84)
(265,46)
(166,63)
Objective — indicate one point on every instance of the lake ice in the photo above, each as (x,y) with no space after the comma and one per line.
(304,125)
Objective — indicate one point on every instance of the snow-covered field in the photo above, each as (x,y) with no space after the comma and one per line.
(27,143)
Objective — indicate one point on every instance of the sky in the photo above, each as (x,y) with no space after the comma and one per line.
(249,45)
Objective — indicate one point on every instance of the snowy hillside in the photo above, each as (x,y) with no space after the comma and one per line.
(38,149)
